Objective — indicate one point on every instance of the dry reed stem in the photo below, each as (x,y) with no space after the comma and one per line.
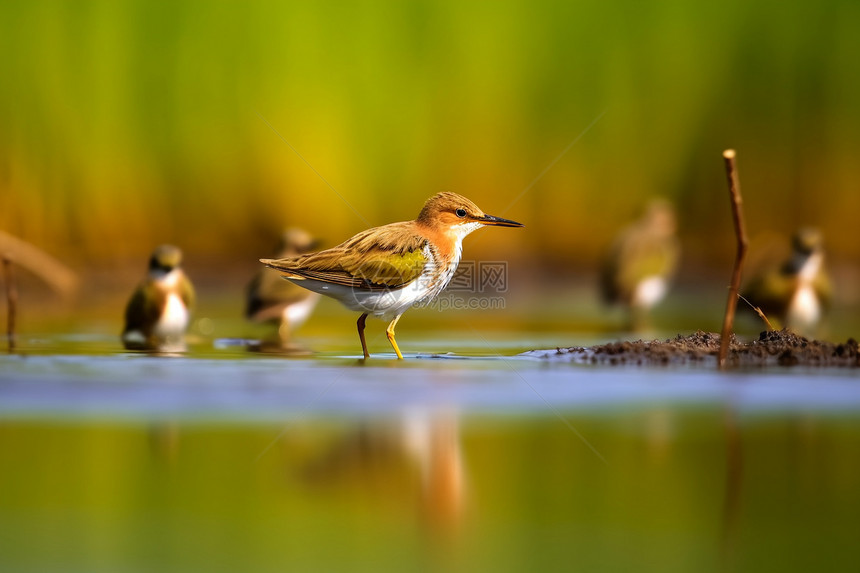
(742,242)
(11,302)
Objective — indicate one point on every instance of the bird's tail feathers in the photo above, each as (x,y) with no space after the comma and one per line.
(278,265)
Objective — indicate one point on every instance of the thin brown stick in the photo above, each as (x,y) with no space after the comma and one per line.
(11,302)
(741,235)
(758,311)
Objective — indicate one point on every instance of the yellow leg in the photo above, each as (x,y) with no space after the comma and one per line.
(360,325)
(390,332)
(284,333)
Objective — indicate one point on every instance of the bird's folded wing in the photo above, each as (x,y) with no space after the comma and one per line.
(648,259)
(771,291)
(142,311)
(382,258)
(186,292)
(823,288)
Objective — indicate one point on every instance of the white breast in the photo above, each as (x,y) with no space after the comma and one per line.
(173,320)
(810,268)
(649,292)
(804,312)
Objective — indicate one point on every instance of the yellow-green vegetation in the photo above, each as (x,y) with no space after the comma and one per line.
(127,124)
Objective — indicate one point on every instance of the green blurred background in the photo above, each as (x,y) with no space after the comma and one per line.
(128,124)
(125,124)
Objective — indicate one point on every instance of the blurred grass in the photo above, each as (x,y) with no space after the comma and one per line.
(126,124)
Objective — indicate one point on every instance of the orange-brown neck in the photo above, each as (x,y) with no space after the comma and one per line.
(447,240)
(444,245)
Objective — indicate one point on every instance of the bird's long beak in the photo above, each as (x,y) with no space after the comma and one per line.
(498,222)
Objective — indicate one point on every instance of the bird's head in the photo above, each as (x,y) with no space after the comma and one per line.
(454,212)
(294,242)
(659,218)
(164,259)
(806,241)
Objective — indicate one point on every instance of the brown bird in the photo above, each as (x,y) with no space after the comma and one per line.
(385,270)
(641,262)
(796,292)
(273,300)
(158,312)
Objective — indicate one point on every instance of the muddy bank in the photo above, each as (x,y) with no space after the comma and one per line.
(773,348)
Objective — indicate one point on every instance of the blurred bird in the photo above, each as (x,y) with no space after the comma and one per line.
(157,315)
(796,292)
(274,300)
(385,270)
(641,262)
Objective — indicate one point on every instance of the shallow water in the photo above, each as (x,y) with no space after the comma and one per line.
(476,460)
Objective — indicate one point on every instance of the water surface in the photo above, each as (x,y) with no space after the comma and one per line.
(477,460)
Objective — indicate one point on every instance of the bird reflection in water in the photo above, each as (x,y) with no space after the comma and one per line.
(390,460)
(164,441)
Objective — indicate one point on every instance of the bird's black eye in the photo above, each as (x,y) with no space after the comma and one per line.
(460,213)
